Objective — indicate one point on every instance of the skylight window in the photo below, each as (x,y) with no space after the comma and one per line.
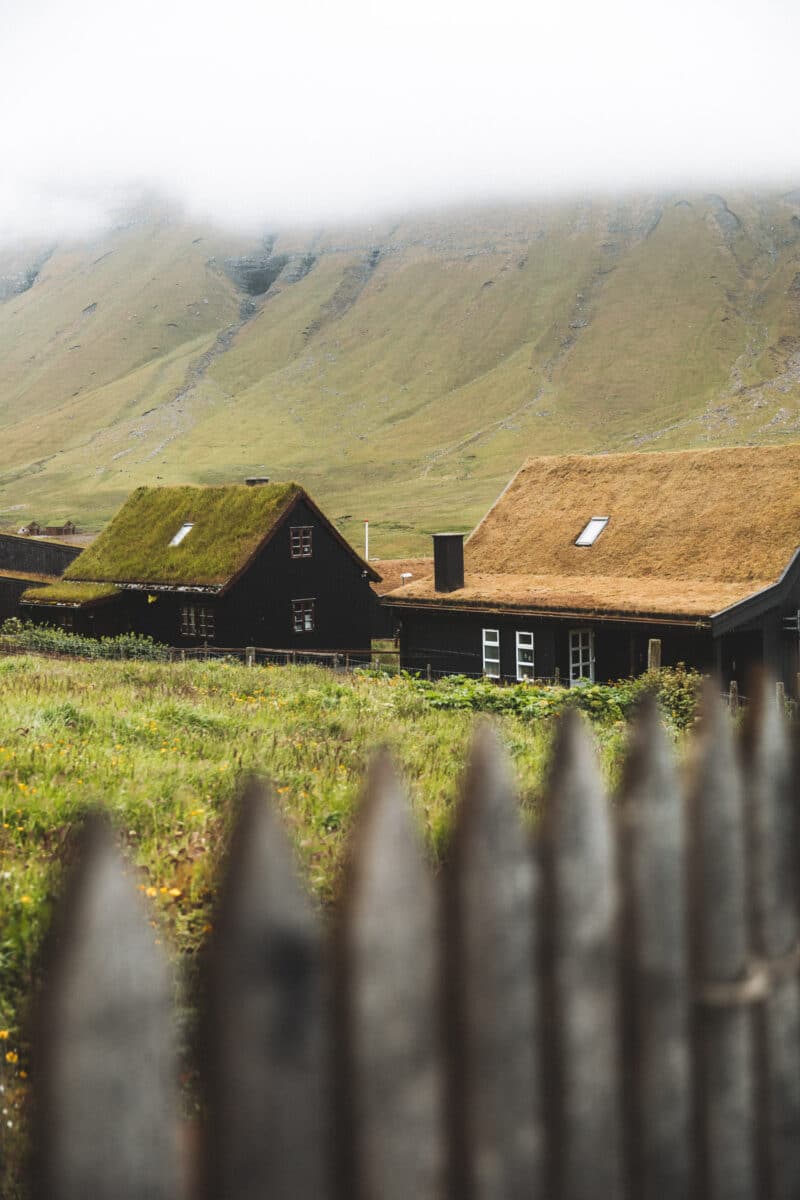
(591,533)
(181,534)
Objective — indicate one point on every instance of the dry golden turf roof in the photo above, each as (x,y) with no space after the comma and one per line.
(689,532)
(229,523)
(543,594)
(391,569)
(71,594)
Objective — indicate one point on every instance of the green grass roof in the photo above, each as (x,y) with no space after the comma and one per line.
(228,525)
(65,592)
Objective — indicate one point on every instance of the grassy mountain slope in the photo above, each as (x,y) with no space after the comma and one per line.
(400,371)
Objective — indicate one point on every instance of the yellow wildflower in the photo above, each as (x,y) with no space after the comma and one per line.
(12,1056)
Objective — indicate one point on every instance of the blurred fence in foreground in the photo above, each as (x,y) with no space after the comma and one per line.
(612,1011)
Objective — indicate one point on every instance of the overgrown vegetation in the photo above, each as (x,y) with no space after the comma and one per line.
(163,749)
(25,636)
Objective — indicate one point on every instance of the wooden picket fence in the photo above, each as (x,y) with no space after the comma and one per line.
(611,1012)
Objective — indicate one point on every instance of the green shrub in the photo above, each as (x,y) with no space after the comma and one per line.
(21,636)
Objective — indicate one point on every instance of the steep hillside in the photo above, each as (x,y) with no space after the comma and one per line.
(401,371)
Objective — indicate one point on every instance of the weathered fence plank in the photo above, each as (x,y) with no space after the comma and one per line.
(107,1109)
(390,1078)
(655,968)
(580,969)
(723,1025)
(268,1091)
(491,892)
(566,1025)
(772,802)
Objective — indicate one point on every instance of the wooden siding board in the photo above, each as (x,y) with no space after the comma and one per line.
(451,643)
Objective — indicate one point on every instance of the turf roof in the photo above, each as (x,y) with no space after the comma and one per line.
(229,524)
(74,594)
(723,516)
(689,533)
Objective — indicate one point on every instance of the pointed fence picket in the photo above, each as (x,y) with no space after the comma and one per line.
(611,1009)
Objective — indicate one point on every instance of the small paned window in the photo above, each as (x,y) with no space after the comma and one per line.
(581,656)
(591,532)
(491,653)
(197,621)
(182,532)
(304,616)
(524,655)
(300,541)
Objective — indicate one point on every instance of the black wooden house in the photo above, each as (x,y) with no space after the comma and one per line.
(584,558)
(26,562)
(231,566)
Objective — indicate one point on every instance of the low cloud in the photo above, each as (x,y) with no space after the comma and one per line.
(260,115)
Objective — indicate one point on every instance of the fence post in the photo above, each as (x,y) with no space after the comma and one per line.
(347,662)
(723,1026)
(656,1055)
(107,1110)
(580,968)
(268,1022)
(733,696)
(780,696)
(428,672)
(250,656)
(489,970)
(558,676)
(774,829)
(389,1071)
(654,654)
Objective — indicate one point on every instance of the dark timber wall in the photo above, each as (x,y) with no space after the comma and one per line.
(35,557)
(451,642)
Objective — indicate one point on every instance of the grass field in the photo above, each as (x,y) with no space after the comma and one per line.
(163,749)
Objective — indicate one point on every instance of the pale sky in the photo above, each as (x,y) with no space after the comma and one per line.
(264,114)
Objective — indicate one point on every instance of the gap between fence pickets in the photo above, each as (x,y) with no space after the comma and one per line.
(555,1036)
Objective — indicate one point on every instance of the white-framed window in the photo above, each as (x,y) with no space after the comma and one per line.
(524,655)
(304,615)
(187,527)
(581,656)
(591,531)
(491,653)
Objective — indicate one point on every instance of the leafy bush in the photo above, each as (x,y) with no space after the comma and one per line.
(676,689)
(24,636)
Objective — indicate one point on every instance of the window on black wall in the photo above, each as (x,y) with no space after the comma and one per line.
(304,615)
(197,621)
(300,541)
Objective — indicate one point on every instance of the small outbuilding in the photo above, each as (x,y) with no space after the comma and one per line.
(585,558)
(231,566)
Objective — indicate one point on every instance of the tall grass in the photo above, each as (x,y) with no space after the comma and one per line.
(163,748)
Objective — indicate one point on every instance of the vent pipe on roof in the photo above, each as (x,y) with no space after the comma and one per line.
(256,480)
(448,561)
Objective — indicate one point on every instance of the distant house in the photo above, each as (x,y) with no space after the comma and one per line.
(583,559)
(62,529)
(230,565)
(26,561)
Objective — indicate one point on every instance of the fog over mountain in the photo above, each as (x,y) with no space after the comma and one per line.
(256,115)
